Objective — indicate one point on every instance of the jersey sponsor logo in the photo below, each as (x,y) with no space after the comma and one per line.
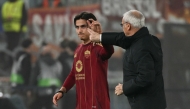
(79,76)
(79,66)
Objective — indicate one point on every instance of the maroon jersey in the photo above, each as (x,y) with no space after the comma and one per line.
(89,73)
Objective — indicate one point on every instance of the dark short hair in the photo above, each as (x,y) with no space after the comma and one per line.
(85,16)
(26,43)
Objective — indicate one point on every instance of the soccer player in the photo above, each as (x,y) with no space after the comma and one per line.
(89,71)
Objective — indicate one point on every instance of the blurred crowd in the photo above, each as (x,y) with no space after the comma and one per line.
(36,71)
(32,72)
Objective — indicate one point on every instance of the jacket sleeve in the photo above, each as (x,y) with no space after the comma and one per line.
(146,73)
(106,52)
(115,38)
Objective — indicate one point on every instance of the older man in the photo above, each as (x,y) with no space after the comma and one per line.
(142,64)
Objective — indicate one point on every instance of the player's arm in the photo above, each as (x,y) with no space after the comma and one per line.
(106,51)
(67,85)
(58,95)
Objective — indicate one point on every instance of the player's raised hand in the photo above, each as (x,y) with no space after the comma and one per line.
(119,89)
(94,25)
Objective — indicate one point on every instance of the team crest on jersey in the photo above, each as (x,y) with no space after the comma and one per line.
(79,66)
(87,53)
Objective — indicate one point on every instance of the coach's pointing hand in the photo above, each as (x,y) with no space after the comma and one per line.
(95,37)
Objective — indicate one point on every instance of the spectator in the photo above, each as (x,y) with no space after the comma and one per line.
(14,19)
(66,59)
(46,77)
(21,72)
(22,66)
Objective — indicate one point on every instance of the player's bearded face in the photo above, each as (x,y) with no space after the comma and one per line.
(81,29)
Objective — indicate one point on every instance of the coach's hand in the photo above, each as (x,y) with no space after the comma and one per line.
(119,89)
(94,36)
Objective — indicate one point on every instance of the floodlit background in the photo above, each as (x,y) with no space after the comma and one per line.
(53,24)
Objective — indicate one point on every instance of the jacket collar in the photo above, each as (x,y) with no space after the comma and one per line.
(140,33)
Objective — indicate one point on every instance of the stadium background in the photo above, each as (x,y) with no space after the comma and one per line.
(167,19)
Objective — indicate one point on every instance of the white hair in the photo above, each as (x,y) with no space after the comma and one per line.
(135,18)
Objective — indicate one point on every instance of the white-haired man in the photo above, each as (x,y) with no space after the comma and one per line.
(142,64)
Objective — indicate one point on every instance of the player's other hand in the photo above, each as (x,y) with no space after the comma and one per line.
(56,97)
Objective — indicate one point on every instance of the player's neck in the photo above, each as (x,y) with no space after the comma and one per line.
(86,42)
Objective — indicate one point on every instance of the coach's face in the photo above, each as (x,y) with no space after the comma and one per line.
(126,27)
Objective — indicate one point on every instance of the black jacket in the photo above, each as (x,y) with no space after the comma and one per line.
(142,68)
(26,67)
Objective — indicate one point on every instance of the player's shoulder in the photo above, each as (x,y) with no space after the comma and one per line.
(78,47)
(98,44)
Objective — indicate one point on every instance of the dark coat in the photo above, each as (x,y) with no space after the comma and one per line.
(26,66)
(142,68)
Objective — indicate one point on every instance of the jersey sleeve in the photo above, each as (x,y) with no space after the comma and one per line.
(70,80)
(106,51)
